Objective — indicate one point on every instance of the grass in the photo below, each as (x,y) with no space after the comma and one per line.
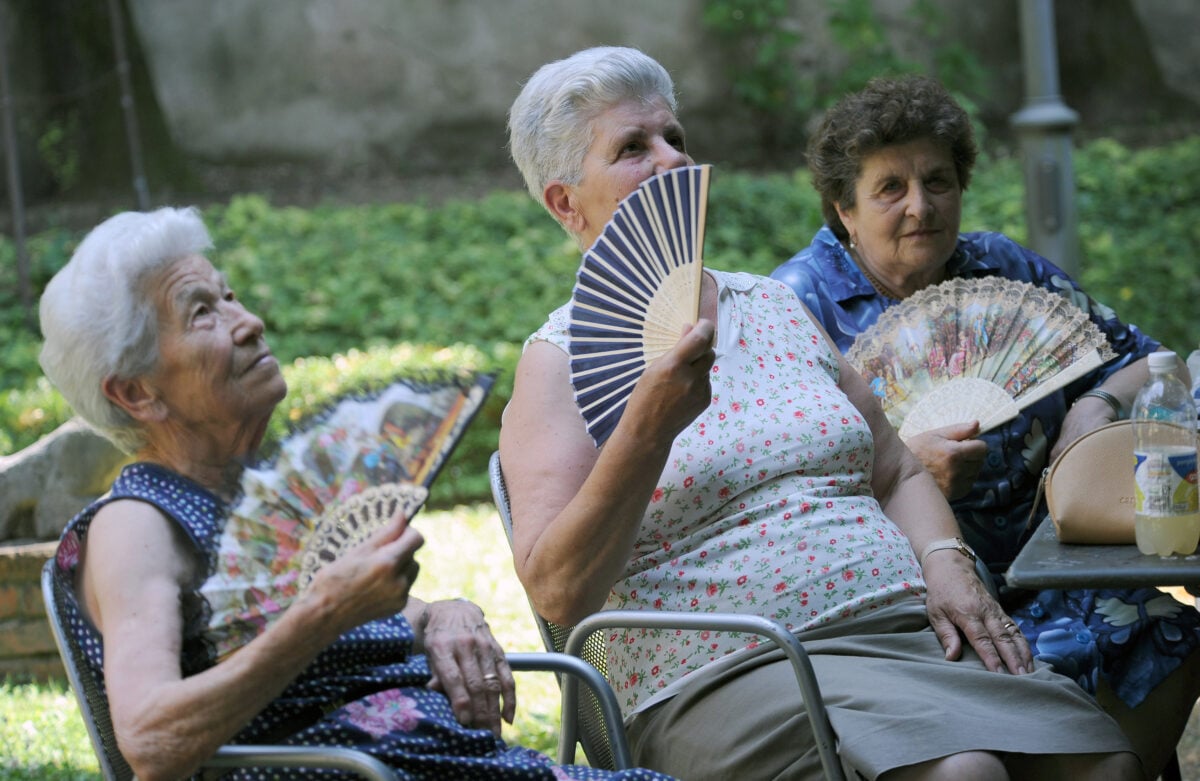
(465,554)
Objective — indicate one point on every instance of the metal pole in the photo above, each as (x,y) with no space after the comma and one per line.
(127,105)
(1044,126)
(14,181)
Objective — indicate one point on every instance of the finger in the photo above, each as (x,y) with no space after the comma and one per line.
(508,687)
(948,636)
(1013,648)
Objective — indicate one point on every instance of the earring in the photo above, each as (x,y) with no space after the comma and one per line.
(853,243)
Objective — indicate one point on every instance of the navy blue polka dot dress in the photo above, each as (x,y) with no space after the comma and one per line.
(366,691)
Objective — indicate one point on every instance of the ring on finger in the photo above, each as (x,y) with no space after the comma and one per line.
(491,677)
(1009,627)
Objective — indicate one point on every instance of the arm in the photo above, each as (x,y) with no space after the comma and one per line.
(137,564)
(956,598)
(576,509)
(1090,412)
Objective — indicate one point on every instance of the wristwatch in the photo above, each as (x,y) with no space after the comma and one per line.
(953,543)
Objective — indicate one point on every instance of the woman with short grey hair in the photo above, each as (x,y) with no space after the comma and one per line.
(98,321)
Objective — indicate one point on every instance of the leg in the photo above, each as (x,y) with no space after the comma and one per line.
(1155,726)
(1078,767)
(975,765)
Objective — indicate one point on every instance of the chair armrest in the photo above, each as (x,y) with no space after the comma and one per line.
(359,762)
(734,622)
(573,669)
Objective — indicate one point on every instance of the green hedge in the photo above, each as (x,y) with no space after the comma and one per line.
(480,275)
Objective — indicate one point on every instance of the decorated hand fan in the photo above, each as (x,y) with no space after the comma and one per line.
(336,479)
(974,349)
(638,285)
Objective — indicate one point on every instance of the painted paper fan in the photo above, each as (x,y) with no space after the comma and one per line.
(637,287)
(331,483)
(974,349)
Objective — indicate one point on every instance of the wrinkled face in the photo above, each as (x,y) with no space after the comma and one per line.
(908,208)
(631,142)
(214,371)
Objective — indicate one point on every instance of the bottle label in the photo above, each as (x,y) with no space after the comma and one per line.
(1165,482)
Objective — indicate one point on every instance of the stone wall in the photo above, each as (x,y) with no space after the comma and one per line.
(27,649)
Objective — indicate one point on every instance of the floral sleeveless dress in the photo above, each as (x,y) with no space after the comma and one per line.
(366,691)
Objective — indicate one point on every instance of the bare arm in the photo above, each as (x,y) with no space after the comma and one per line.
(1088,412)
(576,509)
(135,568)
(956,598)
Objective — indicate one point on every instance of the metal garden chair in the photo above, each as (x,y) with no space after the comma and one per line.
(589,721)
(93,706)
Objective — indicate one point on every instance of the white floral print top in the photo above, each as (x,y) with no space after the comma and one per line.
(765,505)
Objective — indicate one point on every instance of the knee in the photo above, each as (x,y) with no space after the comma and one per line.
(976,765)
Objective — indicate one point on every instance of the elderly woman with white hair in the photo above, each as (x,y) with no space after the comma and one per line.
(752,472)
(146,340)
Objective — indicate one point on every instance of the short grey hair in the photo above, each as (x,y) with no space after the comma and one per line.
(549,124)
(97,318)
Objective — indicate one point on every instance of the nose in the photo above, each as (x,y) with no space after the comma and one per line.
(918,201)
(667,156)
(247,326)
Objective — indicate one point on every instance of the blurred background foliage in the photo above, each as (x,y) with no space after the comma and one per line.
(353,291)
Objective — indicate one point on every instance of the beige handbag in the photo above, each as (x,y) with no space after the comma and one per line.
(1089,487)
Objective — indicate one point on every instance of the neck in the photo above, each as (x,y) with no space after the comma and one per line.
(898,290)
(216,467)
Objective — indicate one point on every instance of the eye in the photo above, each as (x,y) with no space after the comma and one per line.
(677,141)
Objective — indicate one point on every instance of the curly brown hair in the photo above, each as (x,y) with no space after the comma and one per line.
(888,111)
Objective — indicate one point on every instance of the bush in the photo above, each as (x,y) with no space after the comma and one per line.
(398,282)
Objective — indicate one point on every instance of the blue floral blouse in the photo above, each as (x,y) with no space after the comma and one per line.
(1132,638)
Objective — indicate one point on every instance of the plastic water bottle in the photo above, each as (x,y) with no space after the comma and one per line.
(1193,364)
(1167,518)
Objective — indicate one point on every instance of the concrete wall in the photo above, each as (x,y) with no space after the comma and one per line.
(423,85)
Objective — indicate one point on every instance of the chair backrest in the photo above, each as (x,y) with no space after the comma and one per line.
(594,734)
(611,751)
(93,705)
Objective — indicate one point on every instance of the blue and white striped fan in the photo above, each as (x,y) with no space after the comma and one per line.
(638,286)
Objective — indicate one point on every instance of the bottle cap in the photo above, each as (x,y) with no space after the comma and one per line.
(1163,359)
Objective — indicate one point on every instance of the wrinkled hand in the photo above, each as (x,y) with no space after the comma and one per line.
(372,579)
(957,601)
(952,455)
(676,386)
(469,666)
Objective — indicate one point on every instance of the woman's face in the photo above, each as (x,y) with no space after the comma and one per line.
(631,142)
(215,373)
(908,208)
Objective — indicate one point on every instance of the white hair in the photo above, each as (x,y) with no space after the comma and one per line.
(549,124)
(97,319)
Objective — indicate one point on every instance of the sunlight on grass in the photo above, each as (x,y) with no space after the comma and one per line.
(42,735)
(465,555)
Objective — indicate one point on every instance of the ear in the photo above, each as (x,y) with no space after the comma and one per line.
(560,201)
(136,397)
(847,218)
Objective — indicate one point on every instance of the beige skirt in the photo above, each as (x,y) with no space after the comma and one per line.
(892,698)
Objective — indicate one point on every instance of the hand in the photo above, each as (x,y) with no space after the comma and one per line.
(676,387)
(371,580)
(952,455)
(468,665)
(958,601)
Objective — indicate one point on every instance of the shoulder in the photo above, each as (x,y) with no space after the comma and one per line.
(812,267)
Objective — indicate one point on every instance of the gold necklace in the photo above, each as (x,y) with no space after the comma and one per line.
(880,288)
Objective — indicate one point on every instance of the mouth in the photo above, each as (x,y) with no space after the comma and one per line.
(262,359)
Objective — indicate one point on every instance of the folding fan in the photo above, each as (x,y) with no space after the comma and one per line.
(332,482)
(638,285)
(974,349)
